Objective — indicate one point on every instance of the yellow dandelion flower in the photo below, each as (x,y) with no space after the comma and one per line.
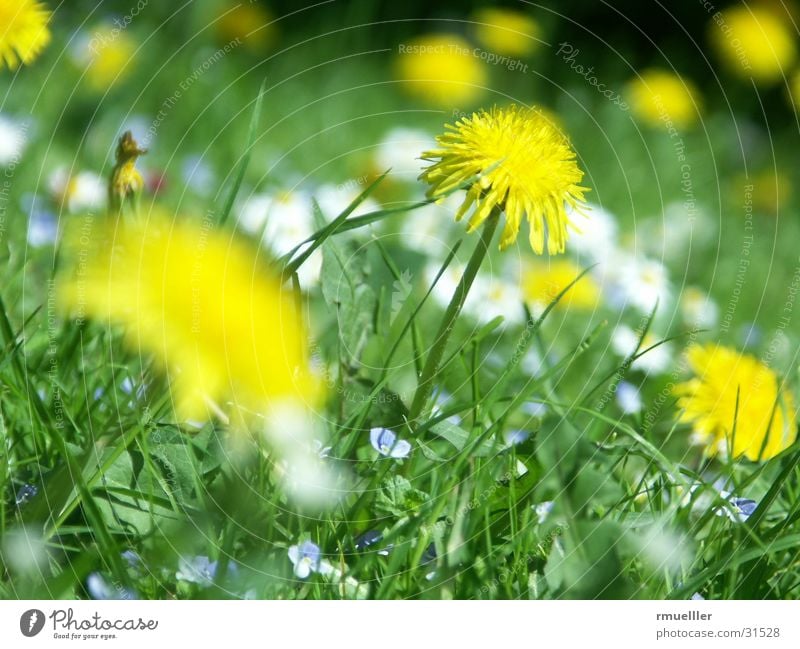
(770,190)
(527,168)
(542,283)
(249,23)
(753,42)
(505,31)
(200,302)
(658,96)
(106,57)
(440,69)
(765,417)
(23,31)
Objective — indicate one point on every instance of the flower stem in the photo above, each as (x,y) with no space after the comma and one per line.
(431,367)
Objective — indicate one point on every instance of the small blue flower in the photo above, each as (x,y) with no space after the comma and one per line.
(534,409)
(429,555)
(738,509)
(98,588)
(543,510)
(133,560)
(744,506)
(42,227)
(370,538)
(198,174)
(26,493)
(197,570)
(442,399)
(751,334)
(514,437)
(367,539)
(306,558)
(320,449)
(629,399)
(129,387)
(126,385)
(386,443)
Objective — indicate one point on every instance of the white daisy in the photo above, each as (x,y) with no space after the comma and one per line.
(85,191)
(13,139)
(286,220)
(493,296)
(642,283)
(333,200)
(698,309)
(252,213)
(487,298)
(428,229)
(400,150)
(655,361)
(445,288)
(683,227)
(597,238)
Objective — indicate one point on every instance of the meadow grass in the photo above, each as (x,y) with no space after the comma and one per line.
(124,492)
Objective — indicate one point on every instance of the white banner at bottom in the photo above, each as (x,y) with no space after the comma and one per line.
(389,625)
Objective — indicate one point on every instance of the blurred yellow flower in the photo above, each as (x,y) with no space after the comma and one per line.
(440,69)
(198,300)
(23,31)
(541,284)
(506,31)
(764,419)
(527,168)
(769,190)
(753,41)
(106,57)
(659,96)
(249,23)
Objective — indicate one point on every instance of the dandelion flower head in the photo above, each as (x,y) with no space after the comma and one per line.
(736,404)
(524,165)
(248,23)
(754,42)
(542,283)
(440,70)
(201,303)
(106,57)
(505,31)
(659,95)
(23,31)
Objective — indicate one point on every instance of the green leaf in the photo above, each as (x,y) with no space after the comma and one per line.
(459,438)
(397,497)
(344,287)
(328,231)
(248,153)
(127,503)
(588,564)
